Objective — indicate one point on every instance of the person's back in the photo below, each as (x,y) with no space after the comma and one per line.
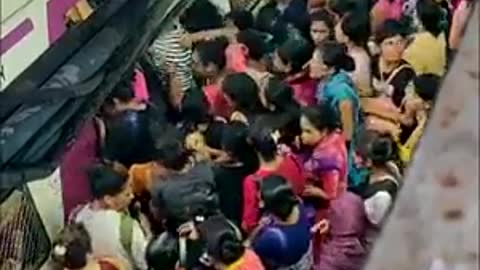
(283,238)
(114,233)
(289,168)
(343,248)
(180,195)
(104,226)
(428,51)
(229,180)
(285,245)
(427,54)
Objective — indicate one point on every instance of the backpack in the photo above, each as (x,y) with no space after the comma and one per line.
(184,200)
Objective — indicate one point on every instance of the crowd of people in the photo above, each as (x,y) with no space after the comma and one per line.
(285,136)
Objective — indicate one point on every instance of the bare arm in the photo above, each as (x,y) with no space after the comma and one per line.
(192,38)
(346,116)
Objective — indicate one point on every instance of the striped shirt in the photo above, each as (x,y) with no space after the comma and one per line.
(246,4)
(167,50)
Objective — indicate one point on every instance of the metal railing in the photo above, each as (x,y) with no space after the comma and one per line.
(24,243)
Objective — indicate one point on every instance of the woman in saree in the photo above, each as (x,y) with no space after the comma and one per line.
(330,65)
(327,164)
(391,76)
(353,31)
(290,61)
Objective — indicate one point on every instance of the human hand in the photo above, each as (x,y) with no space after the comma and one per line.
(186,41)
(195,141)
(312,191)
(320,227)
(188,231)
(421,116)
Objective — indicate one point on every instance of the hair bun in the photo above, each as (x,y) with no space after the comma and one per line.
(230,249)
(348,64)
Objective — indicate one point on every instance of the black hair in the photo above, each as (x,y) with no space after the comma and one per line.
(286,122)
(255,43)
(195,110)
(357,28)
(260,137)
(335,55)
(296,52)
(342,7)
(105,181)
(427,86)
(278,196)
(381,150)
(213,52)
(269,21)
(431,16)
(201,15)
(280,95)
(221,239)
(170,150)
(127,139)
(243,91)
(242,19)
(123,92)
(322,116)
(162,252)
(71,248)
(325,16)
(390,28)
(234,139)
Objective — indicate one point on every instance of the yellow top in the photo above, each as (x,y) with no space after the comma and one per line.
(405,151)
(427,54)
(236,264)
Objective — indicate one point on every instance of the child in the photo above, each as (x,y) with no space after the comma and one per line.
(73,250)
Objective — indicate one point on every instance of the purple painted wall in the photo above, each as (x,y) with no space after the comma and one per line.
(16,35)
(56,10)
